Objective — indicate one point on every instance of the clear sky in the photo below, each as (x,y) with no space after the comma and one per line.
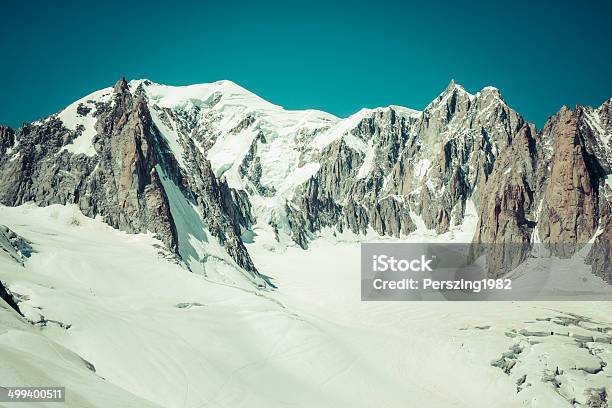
(338,56)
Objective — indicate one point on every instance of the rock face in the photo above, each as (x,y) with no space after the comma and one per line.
(7,139)
(547,188)
(396,161)
(570,214)
(184,162)
(131,151)
(121,180)
(458,139)
(8,298)
(508,204)
(600,253)
(550,192)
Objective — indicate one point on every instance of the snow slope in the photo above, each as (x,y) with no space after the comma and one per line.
(233,117)
(29,357)
(73,120)
(443,353)
(157,332)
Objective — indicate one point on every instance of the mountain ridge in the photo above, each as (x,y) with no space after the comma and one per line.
(201,165)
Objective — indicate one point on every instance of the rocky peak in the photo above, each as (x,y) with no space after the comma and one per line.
(7,139)
(490,90)
(452,87)
(121,86)
(596,126)
(454,99)
(570,210)
(129,178)
(605,112)
(489,98)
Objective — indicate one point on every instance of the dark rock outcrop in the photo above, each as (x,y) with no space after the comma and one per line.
(600,252)
(570,213)
(8,298)
(16,248)
(121,181)
(7,139)
(508,204)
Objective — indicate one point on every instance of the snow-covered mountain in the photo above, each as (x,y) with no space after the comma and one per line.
(207,166)
(147,224)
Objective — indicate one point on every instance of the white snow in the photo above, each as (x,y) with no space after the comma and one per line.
(342,128)
(422,168)
(171,136)
(405,112)
(156,331)
(126,307)
(368,161)
(222,106)
(438,354)
(71,120)
(301,174)
(29,358)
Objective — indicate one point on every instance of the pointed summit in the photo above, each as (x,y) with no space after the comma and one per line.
(121,86)
(454,87)
(7,138)
(451,86)
(453,93)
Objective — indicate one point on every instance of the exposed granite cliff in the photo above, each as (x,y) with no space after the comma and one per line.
(570,212)
(120,181)
(428,164)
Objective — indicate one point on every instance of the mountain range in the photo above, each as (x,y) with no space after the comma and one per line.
(198,246)
(201,165)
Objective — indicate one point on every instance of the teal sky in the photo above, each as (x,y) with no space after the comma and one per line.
(337,56)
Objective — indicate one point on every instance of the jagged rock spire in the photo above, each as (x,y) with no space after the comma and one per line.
(121,86)
(7,138)
(451,85)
